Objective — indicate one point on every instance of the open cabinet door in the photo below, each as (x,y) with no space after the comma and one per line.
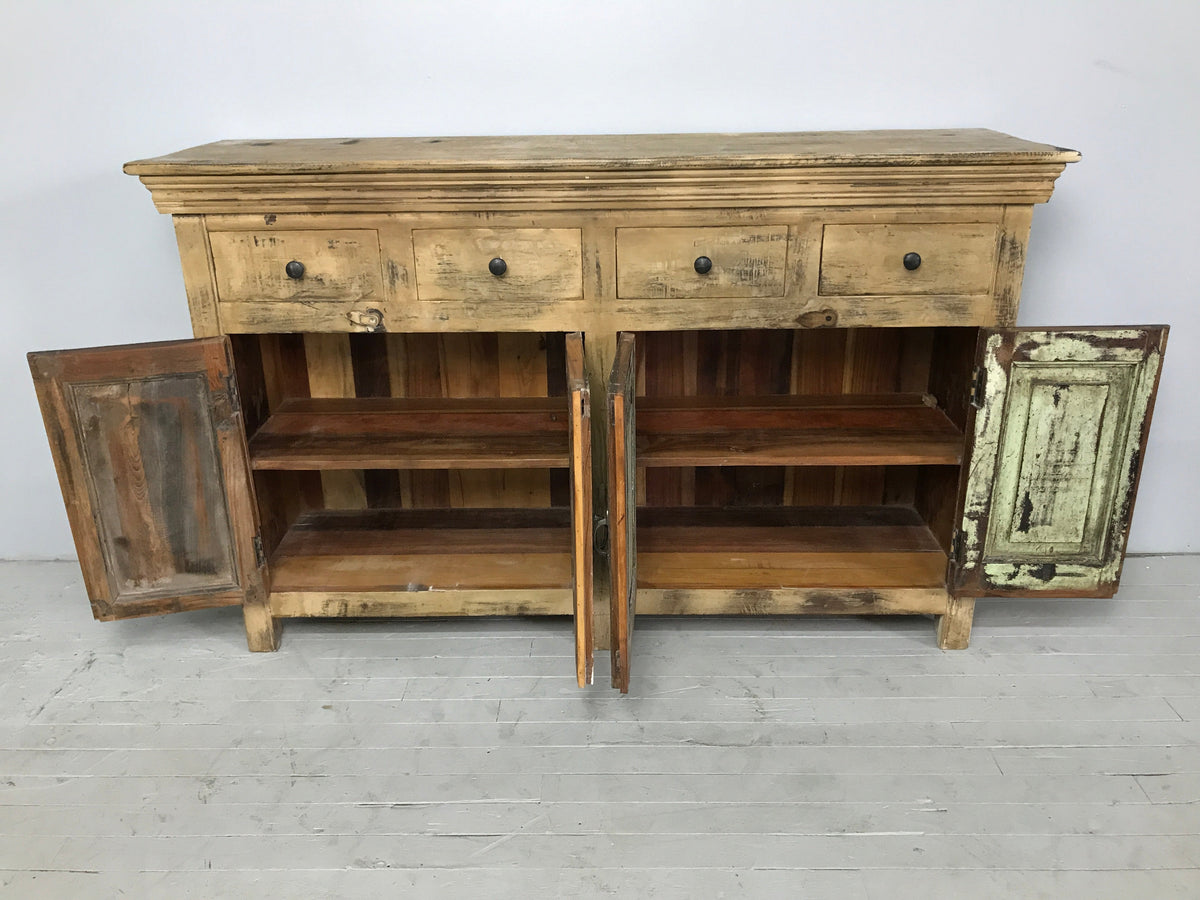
(581,507)
(1060,424)
(151,457)
(622,506)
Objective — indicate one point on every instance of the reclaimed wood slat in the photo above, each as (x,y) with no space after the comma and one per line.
(401,550)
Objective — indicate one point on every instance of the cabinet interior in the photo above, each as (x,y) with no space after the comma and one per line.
(411,462)
(828,458)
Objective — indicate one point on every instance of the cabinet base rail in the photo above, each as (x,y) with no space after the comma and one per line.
(650,601)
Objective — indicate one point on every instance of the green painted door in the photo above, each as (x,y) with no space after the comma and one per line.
(1057,439)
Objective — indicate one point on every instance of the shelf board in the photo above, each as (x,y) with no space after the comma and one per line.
(397,433)
(813,430)
(425,550)
(787,547)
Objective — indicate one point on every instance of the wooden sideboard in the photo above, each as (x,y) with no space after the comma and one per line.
(598,376)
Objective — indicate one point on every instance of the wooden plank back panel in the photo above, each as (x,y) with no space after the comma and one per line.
(714,364)
(472,369)
(372,378)
(423,367)
(430,366)
(758,362)
(331,374)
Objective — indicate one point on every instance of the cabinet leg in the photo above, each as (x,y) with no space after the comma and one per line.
(954,626)
(263,630)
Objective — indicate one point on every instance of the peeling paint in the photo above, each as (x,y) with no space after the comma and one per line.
(1055,459)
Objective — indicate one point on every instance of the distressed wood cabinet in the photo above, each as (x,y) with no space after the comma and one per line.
(797,355)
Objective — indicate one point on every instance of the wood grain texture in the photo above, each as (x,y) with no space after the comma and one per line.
(509,303)
(780,601)
(425,550)
(1057,450)
(151,457)
(632,171)
(413,434)
(650,151)
(581,506)
(622,506)
(954,625)
(372,603)
(338,265)
(599,352)
(195,258)
(331,375)
(880,429)
(838,547)
(869,259)
(543,265)
(661,262)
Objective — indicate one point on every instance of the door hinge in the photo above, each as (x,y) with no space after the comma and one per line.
(954,564)
(600,534)
(260,556)
(978,385)
(231,388)
(585,403)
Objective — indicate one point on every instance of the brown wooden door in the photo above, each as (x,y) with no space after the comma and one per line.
(581,506)
(1056,445)
(622,506)
(151,457)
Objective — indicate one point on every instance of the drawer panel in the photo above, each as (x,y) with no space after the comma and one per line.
(338,265)
(661,262)
(540,263)
(870,259)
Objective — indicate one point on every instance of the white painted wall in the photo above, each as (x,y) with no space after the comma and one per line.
(86,86)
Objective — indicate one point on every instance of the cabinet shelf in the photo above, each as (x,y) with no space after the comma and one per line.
(776,547)
(394,433)
(425,550)
(812,430)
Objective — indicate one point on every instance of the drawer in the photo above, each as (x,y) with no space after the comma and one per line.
(662,262)
(871,259)
(334,265)
(538,263)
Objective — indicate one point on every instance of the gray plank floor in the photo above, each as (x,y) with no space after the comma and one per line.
(801,758)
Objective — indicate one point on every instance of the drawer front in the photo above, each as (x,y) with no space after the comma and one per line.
(662,262)
(336,265)
(871,259)
(539,264)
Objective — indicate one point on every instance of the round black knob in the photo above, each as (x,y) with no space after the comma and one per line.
(294,269)
(912,261)
(497,267)
(702,265)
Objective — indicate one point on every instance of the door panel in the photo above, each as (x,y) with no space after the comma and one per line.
(622,506)
(1058,441)
(151,457)
(581,506)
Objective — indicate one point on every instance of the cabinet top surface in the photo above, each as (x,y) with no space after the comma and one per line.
(626,151)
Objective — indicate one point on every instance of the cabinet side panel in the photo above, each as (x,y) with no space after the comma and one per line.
(283,373)
(1011,269)
(199,281)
